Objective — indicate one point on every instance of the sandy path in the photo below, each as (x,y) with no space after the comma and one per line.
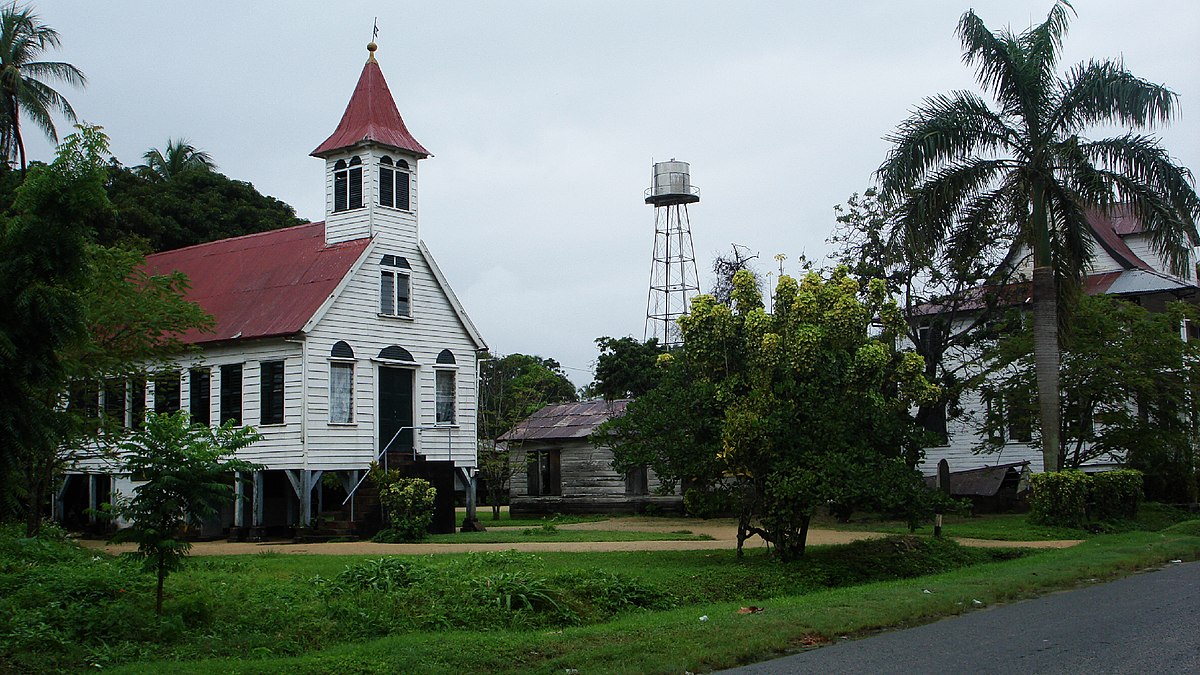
(722,531)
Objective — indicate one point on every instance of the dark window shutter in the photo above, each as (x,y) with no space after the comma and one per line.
(402,190)
(166,393)
(341,350)
(339,191)
(386,184)
(356,201)
(445,357)
(137,403)
(114,401)
(201,396)
(231,393)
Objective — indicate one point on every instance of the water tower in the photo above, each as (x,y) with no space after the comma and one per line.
(673,279)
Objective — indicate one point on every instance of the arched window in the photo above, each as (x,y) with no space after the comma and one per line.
(445,378)
(396,353)
(393,183)
(347,184)
(341,384)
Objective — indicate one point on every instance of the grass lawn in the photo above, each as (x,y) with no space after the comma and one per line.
(1152,517)
(484,514)
(63,608)
(675,640)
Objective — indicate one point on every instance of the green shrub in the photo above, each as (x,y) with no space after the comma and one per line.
(1188,528)
(1116,495)
(407,503)
(1059,498)
(381,574)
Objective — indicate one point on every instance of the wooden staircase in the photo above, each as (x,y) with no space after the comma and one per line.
(336,523)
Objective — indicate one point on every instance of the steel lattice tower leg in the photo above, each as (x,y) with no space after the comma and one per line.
(673,278)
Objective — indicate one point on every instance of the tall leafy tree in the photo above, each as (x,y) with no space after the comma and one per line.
(193,207)
(74,311)
(789,410)
(625,367)
(948,297)
(178,157)
(1027,171)
(25,81)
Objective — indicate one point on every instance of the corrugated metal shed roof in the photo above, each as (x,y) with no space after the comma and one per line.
(561,421)
(261,285)
(982,482)
(371,115)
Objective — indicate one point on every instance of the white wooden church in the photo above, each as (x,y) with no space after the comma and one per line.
(336,339)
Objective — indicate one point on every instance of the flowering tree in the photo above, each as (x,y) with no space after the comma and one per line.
(784,411)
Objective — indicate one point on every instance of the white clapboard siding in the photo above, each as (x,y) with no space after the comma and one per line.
(354,317)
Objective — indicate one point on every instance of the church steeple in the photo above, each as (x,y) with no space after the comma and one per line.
(371,167)
(371,116)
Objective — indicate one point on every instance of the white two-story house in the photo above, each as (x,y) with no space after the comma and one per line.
(334,339)
(1124,263)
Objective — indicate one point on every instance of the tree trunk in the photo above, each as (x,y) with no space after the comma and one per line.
(495,509)
(1046,360)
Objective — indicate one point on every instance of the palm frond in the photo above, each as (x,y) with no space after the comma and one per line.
(944,129)
(1042,45)
(991,55)
(1104,92)
(931,209)
(55,70)
(1070,234)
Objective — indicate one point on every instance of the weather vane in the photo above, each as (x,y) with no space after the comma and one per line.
(375,30)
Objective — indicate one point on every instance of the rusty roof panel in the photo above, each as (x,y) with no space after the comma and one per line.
(982,482)
(371,115)
(260,285)
(562,421)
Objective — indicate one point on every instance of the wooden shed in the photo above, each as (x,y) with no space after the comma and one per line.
(567,473)
(991,489)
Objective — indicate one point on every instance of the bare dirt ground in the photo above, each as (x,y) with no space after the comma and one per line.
(722,531)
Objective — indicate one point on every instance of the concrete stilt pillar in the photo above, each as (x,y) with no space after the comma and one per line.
(93,498)
(257,532)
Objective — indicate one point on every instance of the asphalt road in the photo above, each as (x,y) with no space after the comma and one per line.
(1146,623)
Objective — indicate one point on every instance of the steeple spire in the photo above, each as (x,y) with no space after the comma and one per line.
(371,116)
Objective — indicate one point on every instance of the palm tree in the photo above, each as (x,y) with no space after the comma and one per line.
(1025,170)
(23,88)
(179,156)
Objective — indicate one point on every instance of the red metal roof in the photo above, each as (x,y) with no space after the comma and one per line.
(371,115)
(1110,228)
(261,285)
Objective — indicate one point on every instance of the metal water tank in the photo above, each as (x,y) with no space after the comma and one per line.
(671,183)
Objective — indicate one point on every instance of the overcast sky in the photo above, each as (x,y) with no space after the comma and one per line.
(544,119)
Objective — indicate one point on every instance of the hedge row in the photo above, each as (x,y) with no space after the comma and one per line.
(1074,498)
